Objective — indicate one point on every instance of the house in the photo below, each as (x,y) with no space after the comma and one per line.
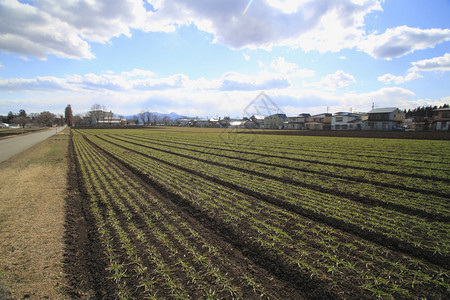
(297,122)
(97,117)
(103,118)
(112,121)
(275,121)
(441,121)
(214,122)
(346,121)
(319,122)
(201,122)
(184,122)
(237,123)
(417,123)
(387,118)
(255,122)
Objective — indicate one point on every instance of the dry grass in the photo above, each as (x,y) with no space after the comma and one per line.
(32,193)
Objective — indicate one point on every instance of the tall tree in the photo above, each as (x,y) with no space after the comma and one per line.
(68,115)
(10,117)
(22,113)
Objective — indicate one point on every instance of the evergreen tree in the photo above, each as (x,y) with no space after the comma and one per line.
(68,116)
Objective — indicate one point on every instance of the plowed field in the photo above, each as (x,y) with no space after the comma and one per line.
(167,213)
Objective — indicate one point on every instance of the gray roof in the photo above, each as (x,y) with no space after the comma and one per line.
(382,110)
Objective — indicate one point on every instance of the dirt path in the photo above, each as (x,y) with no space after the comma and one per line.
(32,214)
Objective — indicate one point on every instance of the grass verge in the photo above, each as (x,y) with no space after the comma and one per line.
(32,215)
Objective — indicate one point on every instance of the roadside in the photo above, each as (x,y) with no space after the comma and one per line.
(16,144)
(8,132)
(32,216)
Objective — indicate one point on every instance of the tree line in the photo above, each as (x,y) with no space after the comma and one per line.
(22,118)
(423,111)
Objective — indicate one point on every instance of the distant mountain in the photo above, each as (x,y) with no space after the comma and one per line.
(172,115)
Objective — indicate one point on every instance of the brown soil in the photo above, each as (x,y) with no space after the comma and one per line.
(85,265)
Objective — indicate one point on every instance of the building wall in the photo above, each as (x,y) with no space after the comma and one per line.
(274,122)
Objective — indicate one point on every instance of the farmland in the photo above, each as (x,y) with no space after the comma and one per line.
(176,213)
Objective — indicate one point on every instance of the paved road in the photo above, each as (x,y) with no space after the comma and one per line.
(15,145)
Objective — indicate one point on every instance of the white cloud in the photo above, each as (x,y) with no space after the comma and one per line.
(36,84)
(389,78)
(286,6)
(290,70)
(282,66)
(246,57)
(263,81)
(384,97)
(399,41)
(334,81)
(66,28)
(27,30)
(441,63)
(312,25)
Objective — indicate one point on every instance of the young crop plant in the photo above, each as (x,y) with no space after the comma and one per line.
(300,235)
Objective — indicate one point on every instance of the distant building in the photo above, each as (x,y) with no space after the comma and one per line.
(201,122)
(275,121)
(346,121)
(103,118)
(388,118)
(214,122)
(298,122)
(184,122)
(319,122)
(255,122)
(441,122)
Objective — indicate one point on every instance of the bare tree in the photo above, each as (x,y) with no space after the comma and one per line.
(142,116)
(148,117)
(166,120)
(46,118)
(77,119)
(96,112)
(154,119)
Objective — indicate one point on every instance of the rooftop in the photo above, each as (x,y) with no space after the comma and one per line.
(382,110)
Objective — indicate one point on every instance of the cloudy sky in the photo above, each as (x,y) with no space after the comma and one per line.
(213,57)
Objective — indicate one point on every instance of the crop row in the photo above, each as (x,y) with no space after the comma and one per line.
(418,203)
(297,245)
(402,177)
(423,161)
(152,251)
(427,238)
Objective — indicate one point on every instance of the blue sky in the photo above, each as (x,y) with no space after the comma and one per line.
(212,58)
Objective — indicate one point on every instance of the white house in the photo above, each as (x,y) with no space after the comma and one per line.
(346,121)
